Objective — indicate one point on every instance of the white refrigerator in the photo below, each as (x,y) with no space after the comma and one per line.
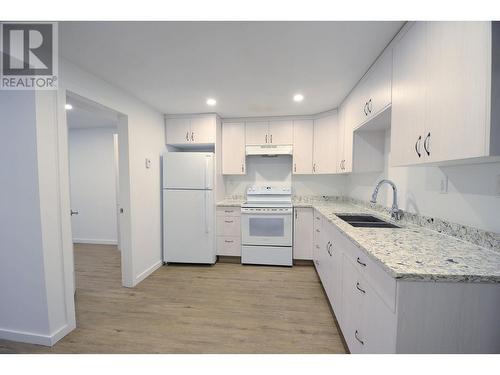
(188,207)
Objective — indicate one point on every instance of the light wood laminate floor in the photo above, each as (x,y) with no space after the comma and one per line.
(225,308)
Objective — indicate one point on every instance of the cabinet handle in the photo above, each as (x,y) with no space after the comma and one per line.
(417,146)
(192,136)
(364,109)
(358,288)
(426,143)
(370,106)
(331,247)
(228,241)
(295,214)
(266,138)
(229,221)
(360,262)
(271,137)
(228,211)
(317,217)
(357,338)
(317,246)
(242,168)
(317,230)
(314,167)
(294,167)
(187,136)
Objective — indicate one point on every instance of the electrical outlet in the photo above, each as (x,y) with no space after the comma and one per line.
(443,189)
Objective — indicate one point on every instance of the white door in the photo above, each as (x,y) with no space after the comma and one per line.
(188,222)
(281,132)
(203,130)
(303,233)
(188,170)
(303,146)
(409,96)
(233,148)
(177,131)
(256,133)
(325,145)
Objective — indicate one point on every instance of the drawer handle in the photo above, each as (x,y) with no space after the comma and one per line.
(357,338)
(228,211)
(317,246)
(229,221)
(317,230)
(317,217)
(358,288)
(360,262)
(228,241)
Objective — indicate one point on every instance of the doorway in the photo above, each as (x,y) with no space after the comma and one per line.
(94,170)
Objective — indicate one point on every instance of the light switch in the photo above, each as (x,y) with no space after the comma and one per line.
(148,163)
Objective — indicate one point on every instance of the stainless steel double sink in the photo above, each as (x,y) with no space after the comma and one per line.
(365,221)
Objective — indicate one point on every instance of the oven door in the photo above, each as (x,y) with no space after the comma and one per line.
(266,228)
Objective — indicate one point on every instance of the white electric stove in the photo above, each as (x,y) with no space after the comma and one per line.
(266,226)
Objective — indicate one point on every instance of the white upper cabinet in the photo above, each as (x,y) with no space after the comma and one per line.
(177,131)
(325,144)
(281,132)
(191,131)
(303,146)
(269,133)
(256,133)
(233,148)
(203,130)
(442,106)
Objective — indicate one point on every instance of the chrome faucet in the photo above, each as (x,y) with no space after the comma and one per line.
(396,213)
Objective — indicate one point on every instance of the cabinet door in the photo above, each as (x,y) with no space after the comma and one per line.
(203,130)
(303,233)
(459,67)
(317,238)
(256,133)
(379,84)
(409,96)
(233,148)
(325,145)
(281,132)
(341,140)
(303,146)
(177,131)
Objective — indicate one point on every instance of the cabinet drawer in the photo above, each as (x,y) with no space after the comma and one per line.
(228,211)
(228,246)
(379,279)
(228,226)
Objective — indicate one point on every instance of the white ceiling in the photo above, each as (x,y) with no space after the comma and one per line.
(86,114)
(251,68)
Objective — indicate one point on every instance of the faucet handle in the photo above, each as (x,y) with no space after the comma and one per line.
(396,214)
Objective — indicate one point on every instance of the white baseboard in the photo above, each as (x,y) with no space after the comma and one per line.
(147,272)
(35,338)
(95,241)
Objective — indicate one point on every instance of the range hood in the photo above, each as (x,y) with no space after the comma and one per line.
(269,150)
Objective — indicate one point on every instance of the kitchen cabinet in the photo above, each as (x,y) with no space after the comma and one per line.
(228,230)
(303,146)
(344,142)
(269,133)
(303,233)
(325,144)
(442,106)
(233,148)
(190,131)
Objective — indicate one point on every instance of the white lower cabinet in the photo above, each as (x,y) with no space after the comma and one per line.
(380,314)
(228,231)
(303,233)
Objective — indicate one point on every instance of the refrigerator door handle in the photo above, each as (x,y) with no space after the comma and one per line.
(206,210)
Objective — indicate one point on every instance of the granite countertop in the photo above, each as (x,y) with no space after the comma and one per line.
(413,252)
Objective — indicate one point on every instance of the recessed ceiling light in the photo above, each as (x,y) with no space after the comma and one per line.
(298,97)
(211,102)
(68,107)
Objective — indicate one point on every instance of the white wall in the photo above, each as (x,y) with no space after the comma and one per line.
(36,293)
(93,185)
(472,198)
(141,135)
(278,170)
